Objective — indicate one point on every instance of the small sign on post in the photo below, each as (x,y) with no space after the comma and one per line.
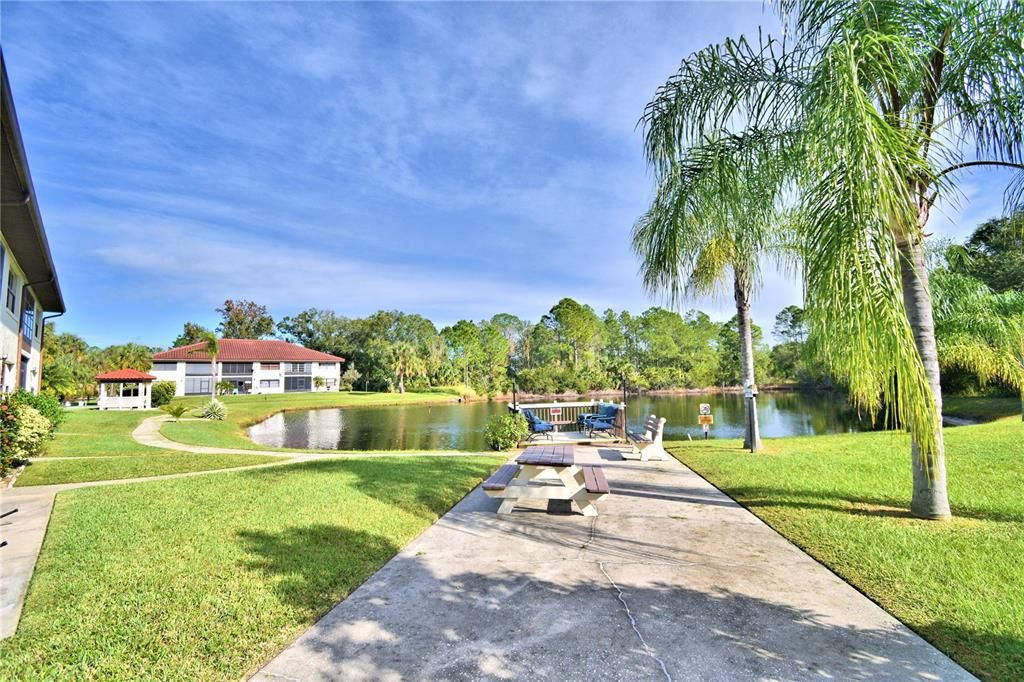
(705,420)
(556,411)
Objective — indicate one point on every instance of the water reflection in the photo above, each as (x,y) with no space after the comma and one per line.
(460,427)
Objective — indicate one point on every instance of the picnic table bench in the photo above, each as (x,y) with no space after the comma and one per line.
(548,473)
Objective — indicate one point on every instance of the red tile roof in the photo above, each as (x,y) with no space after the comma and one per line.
(125,375)
(247,350)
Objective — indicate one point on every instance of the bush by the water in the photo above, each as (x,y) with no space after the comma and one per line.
(504,431)
(163,391)
(214,410)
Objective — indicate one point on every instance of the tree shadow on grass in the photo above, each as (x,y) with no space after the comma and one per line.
(425,486)
(858,505)
(313,566)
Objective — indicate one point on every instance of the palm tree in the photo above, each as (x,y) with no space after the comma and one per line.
(208,344)
(407,362)
(878,104)
(713,215)
(978,330)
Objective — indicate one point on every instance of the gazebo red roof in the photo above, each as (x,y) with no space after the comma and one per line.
(125,375)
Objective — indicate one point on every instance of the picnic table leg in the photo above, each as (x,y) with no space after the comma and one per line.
(508,505)
(585,503)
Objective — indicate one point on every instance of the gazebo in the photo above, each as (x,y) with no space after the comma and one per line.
(125,389)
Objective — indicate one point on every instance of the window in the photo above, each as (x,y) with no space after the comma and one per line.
(12,282)
(270,383)
(197,369)
(165,367)
(298,383)
(270,366)
(331,382)
(298,367)
(28,314)
(236,368)
(3,262)
(197,386)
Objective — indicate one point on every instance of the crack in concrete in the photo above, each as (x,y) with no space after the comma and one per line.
(632,622)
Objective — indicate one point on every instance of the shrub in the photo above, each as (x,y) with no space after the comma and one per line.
(225,387)
(9,427)
(214,410)
(177,410)
(504,431)
(47,405)
(33,428)
(163,392)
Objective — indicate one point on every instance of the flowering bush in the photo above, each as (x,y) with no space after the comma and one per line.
(214,410)
(47,405)
(9,427)
(23,429)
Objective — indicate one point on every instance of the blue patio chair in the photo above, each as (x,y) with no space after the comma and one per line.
(603,421)
(538,427)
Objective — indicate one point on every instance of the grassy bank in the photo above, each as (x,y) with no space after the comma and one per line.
(981,408)
(245,410)
(844,500)
(204,578)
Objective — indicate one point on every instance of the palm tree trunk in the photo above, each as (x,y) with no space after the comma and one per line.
(751,433)
(213,377)
(929,500)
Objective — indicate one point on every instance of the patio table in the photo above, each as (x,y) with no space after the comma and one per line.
(550,472)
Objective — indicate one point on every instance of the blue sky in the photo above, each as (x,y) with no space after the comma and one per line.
(454,159)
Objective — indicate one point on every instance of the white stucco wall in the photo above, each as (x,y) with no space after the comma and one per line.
(9,334)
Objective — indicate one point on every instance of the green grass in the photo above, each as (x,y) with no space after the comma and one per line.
(981,408)
(88,433)
(245,410)
(42,472)
(205,578)
(844,500)
(103,449)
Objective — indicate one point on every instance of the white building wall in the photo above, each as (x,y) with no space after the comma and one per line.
(177,375)
(266,377)
(10,323)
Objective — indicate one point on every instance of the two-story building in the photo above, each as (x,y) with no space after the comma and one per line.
(250,366)
(28,278)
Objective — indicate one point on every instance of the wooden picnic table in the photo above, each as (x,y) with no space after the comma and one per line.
(548,472)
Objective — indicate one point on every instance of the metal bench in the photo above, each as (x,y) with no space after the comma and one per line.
(500,479)
(649,444)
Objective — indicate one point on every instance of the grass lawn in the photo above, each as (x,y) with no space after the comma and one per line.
(245,410)
(88,433)
(843,499)
(42,472)
(206,578)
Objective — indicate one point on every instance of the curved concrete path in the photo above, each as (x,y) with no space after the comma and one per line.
(673,581)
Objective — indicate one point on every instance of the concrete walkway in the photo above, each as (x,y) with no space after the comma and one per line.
(673,581)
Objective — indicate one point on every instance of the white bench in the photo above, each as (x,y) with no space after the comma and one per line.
(648,444)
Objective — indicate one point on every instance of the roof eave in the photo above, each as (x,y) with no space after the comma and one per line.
(18,220)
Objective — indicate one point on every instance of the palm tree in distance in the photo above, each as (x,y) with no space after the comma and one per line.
(209,344)
(875,106)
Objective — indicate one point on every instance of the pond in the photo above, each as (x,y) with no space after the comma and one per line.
(460,426)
